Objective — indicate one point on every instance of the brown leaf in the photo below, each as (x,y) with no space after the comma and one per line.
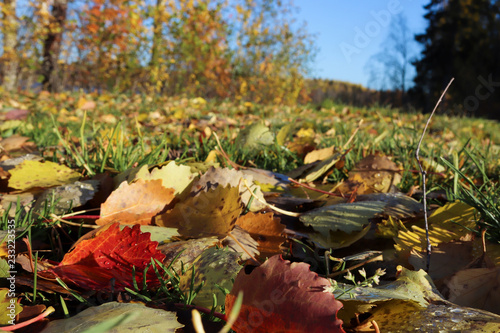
(476,287)
(136,203)
(266,230)
(14,142)
(243,238)
(373,174)
(447,259)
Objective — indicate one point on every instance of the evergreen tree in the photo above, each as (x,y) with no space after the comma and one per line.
(461,41)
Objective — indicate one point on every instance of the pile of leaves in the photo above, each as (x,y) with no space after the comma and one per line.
(331,239)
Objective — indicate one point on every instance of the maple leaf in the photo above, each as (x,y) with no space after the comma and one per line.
(275,292)
(136,203)
(110,255)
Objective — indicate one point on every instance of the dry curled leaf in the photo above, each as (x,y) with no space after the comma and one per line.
(136,203)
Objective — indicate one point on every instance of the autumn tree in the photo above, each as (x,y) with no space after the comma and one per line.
(273,51)
(109,43)
(460,41)
(9,57)
(251,50)
(200,49)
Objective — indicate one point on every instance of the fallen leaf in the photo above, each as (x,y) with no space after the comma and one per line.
(178,177)
(9,307)
(110,255)
(4,174)
(64,197)
(215,177)
(126,317)
(319,155)
(215,269)
(84,104)
(275,292)
(340,225)
(447,259)
(16,114)
(211,213)
(14,142)
(448,223)
(283,134)
(372,174)
(243,238)
(476,288)
(136,203)
(266,230)
(319,169)
(181,254)
(254,137)
(11,163)
(30,174)
(413,301)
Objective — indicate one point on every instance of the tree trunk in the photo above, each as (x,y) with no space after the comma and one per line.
(10,59)
(52,46)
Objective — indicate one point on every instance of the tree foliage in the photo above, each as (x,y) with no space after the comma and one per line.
(461,41)
(250,50)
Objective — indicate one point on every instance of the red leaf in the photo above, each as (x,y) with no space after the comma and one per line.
(112,254)
(283,297)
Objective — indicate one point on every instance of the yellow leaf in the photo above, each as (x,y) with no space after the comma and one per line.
(319,155)
(305,133)
(9,307)
(177,177)
(31,174)
(212,213)
(447,223)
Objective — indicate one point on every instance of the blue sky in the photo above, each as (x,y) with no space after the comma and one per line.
(343,54)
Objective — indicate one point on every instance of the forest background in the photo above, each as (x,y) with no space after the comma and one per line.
(245,50)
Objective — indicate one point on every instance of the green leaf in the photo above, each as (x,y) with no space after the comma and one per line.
(215,267)
(341,225)
(254,137)
(134,318)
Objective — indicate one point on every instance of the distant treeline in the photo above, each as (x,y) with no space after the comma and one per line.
(324,92)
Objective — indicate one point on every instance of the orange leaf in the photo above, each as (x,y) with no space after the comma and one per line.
(137,203)
(266,230)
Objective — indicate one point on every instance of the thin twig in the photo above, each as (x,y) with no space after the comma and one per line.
(59,219)
(332,275)
(353,134)
(423,172)
(226,156)
(314,189)
(279,210)
(244,249)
